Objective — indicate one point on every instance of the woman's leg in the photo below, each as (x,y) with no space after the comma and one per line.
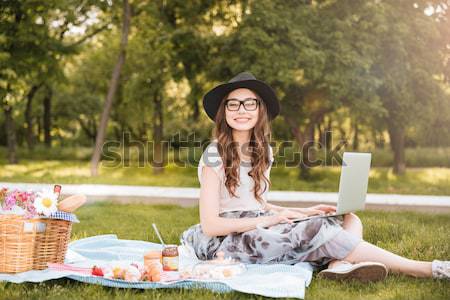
(397,264)
(352,224)
(369,252)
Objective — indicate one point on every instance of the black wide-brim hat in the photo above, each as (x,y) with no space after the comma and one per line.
(212,99)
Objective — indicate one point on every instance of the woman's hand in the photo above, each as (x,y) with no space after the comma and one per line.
(293,214)
(324,208)
(309,211)
(284,216)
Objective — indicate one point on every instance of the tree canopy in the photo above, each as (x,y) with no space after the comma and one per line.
(383,66)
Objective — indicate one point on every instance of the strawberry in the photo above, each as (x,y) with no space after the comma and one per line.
(97,271)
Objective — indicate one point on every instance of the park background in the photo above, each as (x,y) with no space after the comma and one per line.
(370,76)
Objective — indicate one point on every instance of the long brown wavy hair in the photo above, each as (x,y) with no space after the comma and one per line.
(258,150)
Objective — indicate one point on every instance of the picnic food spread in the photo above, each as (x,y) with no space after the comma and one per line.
(152,270)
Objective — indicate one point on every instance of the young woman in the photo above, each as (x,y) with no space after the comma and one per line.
(236,219)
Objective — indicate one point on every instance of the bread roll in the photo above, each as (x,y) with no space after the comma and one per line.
(72,203)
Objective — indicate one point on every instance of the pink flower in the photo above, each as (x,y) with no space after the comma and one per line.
(23,197)
(24,200)
(30,214)
(10,201)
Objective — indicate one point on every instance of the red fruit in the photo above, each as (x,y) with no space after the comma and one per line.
(97,271)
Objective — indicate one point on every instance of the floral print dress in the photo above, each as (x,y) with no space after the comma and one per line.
(318,241)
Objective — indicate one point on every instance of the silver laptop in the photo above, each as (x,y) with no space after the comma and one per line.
(352,185)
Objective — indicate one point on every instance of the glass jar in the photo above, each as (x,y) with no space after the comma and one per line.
(170,258)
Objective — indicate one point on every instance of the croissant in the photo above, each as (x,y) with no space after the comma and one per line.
(72,203)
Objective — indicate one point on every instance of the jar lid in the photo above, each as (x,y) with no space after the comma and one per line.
(170,250)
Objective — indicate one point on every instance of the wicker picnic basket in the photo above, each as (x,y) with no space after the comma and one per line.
(29,244)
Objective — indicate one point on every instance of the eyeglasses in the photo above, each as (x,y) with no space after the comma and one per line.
(250,104)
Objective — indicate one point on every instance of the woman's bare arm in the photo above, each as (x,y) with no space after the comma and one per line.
(273,207)
(211,223)
(309,211)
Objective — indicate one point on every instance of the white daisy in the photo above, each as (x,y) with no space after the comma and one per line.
(46,202)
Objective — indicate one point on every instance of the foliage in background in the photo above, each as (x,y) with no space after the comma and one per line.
(374,73)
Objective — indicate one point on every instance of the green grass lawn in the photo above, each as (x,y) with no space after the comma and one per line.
(414,235)
(431,181)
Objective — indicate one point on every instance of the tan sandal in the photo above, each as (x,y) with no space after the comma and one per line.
(364,271)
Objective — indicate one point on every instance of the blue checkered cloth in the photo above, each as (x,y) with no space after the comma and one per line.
(266,280)
(61,215)
(117,283)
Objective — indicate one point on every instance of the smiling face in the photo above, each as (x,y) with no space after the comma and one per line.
(242,119)
(243,135)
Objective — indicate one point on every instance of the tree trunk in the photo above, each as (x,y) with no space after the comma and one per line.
(10,129)
(295,131)
(158,151)
(397,137)
(329,135)
(194,99)
(355,144)
(48,117)
(321,135)
(3,141)
(308,157)
(29,118)
(342,132)
(305,141)
(196,111)
(39,129)
(93,126)
(379,139)
(301,139)
(111,89)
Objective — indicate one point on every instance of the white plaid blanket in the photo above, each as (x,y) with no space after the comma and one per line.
(275,280)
